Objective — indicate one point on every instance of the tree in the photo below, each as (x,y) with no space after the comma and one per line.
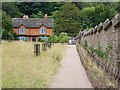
(38,15)
(103,12)
(118,6)
(8,34)
(30,8)
(92,16)
(6,22)
(67,19)
(86,17)
(11,9)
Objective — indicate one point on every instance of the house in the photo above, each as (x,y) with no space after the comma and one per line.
(31,28)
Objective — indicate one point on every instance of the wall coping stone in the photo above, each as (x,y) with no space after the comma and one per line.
(100,26)
(95,29)
(107,24)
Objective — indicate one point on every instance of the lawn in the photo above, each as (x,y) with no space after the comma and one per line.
(21,69)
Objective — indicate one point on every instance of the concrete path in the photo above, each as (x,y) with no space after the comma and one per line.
(71,73)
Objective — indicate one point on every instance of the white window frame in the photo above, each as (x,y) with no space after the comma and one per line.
(22,38)
(22,31)
(42,30)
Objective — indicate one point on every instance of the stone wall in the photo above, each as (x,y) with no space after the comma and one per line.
(106,36)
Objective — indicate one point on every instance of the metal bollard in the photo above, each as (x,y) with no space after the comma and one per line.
(36,49)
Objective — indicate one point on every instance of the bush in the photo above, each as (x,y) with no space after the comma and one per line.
(53,38)
(63,37)
(101,53)
(91,50)
(39,39)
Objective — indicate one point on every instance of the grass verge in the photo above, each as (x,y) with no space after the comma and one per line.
(21,69)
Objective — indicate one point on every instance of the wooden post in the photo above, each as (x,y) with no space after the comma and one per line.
(44,47)
(36,49)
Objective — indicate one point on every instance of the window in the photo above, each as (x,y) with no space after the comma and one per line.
(44,38)
(22,31)
(22,38)
(42,30)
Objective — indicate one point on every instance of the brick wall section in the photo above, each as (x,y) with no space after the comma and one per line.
(33,31)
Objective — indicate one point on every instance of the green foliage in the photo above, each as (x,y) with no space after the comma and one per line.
(39,39)
(1,32)
(38,15)
(92,16)
(11,9)
(91,50)
(63,37)
(118,6)
(67,19)
(6,21)
(8,34)
(30,8)
(103,12)
(101,53)
(86,17)
(85,43)
(109,48)
(98,51)
(53,38)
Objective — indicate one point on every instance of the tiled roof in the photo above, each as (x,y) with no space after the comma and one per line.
(32,22)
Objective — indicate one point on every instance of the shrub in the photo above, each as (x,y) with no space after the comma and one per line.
(63,37)
(91,50)
(39,39)
(101,53)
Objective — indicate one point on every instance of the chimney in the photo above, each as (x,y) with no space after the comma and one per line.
(45,17)
(26,17)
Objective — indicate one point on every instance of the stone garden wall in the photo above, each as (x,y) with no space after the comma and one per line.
(102,44)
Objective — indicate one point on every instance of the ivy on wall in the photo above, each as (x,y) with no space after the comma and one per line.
(98,51)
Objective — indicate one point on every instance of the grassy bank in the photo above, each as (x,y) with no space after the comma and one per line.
(21,69)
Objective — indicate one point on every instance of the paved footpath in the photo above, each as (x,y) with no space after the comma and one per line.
(71,73)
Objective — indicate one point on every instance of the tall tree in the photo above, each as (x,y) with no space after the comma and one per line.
(38,15)
(7,33)
(102,12)
(11,9)
(67,19)
(92,16)
(30,8)
(118,6)
(86,17)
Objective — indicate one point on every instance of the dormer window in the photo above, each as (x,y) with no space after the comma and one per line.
(22,31)
(42,30)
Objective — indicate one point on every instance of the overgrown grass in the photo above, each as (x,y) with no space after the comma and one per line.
(21,69)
